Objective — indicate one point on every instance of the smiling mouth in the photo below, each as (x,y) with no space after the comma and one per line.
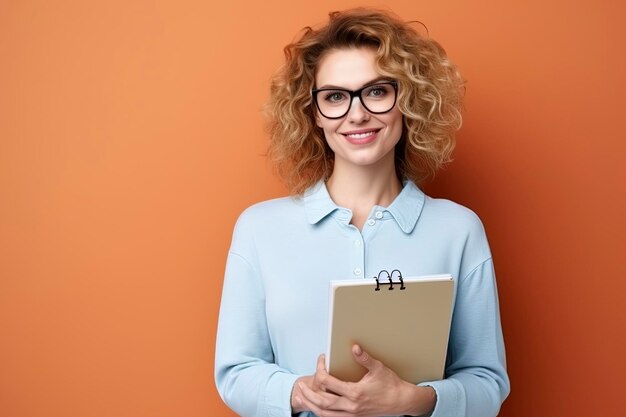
(361,135)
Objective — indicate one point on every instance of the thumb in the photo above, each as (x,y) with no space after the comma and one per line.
(365,359)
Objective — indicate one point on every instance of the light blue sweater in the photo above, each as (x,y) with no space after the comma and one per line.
(274,312)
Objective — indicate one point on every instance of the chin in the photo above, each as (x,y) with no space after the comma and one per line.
(361,160)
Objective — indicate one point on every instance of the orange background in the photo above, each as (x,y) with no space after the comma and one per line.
(131,139)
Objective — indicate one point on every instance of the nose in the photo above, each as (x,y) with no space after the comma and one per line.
(357,113)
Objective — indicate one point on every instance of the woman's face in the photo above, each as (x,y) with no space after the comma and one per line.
(360,137)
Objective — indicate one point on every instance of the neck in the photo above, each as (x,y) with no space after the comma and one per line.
(359,188)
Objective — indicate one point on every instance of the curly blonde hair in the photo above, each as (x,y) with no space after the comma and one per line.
(430,95)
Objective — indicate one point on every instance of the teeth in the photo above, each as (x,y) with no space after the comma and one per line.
(360,135)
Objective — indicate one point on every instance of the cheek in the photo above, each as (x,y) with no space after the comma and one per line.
(328,126)
(396,116)
(397,123)
(318,120)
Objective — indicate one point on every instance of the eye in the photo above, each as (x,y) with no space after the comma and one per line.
(335,96)
(377,91)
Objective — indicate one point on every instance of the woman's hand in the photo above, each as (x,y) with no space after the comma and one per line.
(379,392)
(312,382)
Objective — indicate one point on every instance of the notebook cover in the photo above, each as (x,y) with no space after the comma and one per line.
(405,329)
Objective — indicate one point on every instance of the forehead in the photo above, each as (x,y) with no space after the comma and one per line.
(349,68)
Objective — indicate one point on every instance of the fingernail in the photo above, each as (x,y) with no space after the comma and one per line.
(358,349)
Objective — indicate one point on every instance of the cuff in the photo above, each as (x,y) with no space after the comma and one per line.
(278,394)
(450,398)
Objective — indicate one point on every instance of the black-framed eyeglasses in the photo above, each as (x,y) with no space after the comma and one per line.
(335,103)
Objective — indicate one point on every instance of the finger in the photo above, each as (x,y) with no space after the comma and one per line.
(327,382)
(365,359)
(321,412)
(322,402)
(320,372)
(321,362)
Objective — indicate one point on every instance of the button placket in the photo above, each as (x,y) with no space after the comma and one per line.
(358,258)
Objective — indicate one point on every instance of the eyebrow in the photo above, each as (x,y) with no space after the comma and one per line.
(374,81)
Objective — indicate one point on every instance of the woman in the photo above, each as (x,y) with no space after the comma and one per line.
(363,109)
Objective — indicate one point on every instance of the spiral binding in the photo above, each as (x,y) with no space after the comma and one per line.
(390,279)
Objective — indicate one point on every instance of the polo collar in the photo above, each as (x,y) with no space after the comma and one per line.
(317,202)
(405,209)
(407,206)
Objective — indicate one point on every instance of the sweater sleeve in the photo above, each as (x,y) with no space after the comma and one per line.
(476,381)
(247,378)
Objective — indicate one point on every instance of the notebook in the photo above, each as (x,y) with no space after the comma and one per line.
(404,322)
